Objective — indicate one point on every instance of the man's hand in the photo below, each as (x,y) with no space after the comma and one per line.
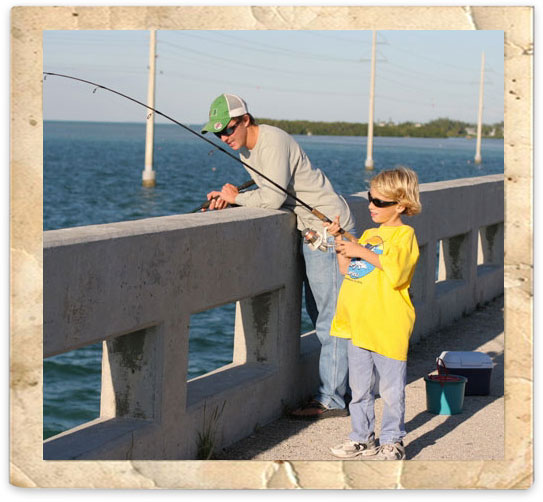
(229,193)
(220,200)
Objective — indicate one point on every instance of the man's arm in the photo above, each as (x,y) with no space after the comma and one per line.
(274,163)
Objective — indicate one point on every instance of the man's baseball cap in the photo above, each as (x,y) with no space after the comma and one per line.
(222,110)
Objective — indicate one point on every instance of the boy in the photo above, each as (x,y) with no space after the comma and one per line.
(375,312)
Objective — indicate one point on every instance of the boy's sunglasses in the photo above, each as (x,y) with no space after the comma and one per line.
(379,202)
(228,131)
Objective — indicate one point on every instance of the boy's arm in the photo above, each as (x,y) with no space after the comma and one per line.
(400,257)
(350,250)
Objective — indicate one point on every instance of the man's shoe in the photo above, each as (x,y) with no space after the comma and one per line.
(314,410)
(351,449)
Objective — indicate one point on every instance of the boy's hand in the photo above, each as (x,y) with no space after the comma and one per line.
(334,227)
(349,249)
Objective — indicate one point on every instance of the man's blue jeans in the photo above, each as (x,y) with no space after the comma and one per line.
(322,273)
(392,379)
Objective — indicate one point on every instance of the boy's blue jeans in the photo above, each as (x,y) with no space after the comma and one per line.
(392,380)
(322,273)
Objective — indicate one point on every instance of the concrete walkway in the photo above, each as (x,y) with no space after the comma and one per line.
(475,434)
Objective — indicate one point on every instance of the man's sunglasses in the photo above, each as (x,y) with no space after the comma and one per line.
(228,131)
(379,202)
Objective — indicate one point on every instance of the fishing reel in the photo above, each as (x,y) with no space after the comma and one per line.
(316,240)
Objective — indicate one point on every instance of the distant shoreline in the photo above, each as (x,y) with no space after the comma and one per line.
(439,128)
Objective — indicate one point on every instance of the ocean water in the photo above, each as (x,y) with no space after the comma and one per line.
(92,175)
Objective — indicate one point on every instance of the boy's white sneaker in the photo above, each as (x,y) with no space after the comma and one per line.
(394,451)
(351,449)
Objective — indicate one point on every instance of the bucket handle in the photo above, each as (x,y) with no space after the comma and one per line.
(442,378)
(442,364)
(445,369)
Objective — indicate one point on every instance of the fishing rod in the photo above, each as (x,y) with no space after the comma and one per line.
(312,210)
(205,205)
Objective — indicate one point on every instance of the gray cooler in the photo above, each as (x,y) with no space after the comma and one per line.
(475,366)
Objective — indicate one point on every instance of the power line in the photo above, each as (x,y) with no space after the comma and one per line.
(422,88)
(105,68)
(411,72)
(274,49)
(244,84)
(244,64)
(437,61)
(321,34)
(312,91)
(266,87)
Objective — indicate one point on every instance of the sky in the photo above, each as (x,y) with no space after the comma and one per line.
(294,75)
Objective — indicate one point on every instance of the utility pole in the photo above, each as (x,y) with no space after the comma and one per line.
(148,175)
(478,158)
(369,153)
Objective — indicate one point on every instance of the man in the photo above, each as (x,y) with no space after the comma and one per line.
(277,155)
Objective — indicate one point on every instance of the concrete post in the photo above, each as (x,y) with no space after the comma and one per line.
(130,375)
(455,257)
(418,288)
(256,329)
(491,245)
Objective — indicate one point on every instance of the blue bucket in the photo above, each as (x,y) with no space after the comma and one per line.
(445,394)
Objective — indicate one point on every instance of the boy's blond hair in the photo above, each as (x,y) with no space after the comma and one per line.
(401,185)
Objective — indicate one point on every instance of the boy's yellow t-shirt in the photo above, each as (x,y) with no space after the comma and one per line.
(373,307)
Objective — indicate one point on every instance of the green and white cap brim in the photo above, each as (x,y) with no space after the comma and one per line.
(222,110)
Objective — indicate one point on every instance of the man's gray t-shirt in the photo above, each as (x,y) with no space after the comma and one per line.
(278,156)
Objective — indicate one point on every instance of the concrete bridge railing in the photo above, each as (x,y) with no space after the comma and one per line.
(134,285)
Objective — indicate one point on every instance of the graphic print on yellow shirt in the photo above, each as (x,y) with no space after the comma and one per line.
(358,267)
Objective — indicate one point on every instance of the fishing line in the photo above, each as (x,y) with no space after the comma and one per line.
(312,210)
